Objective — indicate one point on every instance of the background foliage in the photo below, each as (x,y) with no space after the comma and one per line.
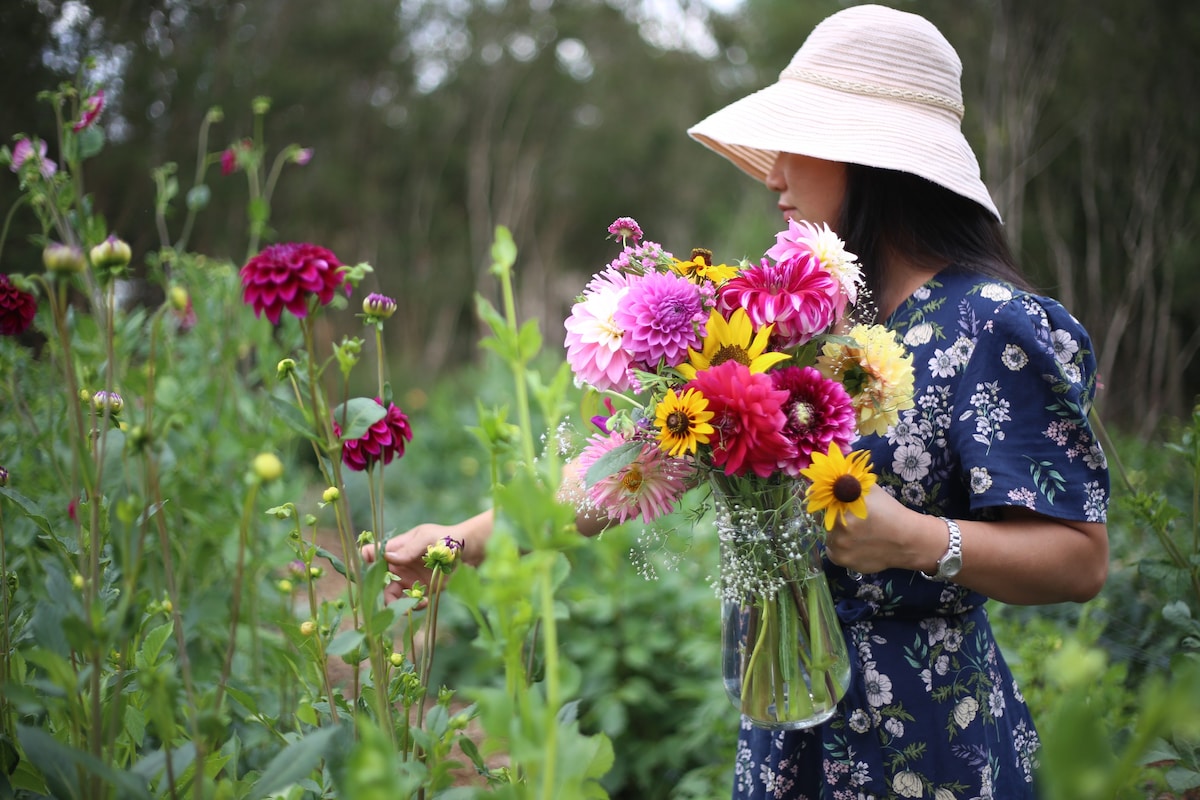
(434,120)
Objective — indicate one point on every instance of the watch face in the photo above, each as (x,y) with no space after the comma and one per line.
(950,566)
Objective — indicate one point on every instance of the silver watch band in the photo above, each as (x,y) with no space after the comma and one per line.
(951,561)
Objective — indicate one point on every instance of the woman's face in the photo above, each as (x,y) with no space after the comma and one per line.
(809,189)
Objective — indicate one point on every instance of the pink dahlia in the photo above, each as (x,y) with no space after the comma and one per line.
(17,308)
(24,150)
(648,486)
(795,295)
(383,441)
(594,338)
(662,316)
(748,417)
(818,411)
(805,239)
(285,276)
(642,257)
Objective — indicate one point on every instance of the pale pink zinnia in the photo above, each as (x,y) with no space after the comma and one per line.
(648,486)
(819,412)
(662,315)
(748,418)
(286,276)
(805,238)
(594,338)
(796,296)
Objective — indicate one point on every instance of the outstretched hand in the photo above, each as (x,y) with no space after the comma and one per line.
(405,553)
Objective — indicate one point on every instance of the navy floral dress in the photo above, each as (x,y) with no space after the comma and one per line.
(1004,381)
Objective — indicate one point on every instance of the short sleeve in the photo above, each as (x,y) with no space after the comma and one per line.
(1021,428)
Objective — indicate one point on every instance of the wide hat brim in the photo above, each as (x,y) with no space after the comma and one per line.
(797,116)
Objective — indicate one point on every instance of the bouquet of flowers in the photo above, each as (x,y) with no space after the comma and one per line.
(753,380)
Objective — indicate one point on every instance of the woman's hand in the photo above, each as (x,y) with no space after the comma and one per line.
(892,535)
(405,553)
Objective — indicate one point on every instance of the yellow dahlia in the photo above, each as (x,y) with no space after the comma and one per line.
(732,340)
(682,422)
(700,268)
(877,372)
(839,484)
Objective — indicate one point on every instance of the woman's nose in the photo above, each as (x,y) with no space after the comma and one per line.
(774,179)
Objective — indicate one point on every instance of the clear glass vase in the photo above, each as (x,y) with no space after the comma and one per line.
(784,658)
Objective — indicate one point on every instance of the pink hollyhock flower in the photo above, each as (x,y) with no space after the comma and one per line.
(91,111)
(804,239)
(662,316)
(17,308)
(795,295)
(818,411)
(648,486)
(594,338)
(626,228)
(748,418)
(285,276)
(383,441)
(23,151)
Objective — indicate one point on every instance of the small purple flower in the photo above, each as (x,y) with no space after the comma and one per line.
(108,401)
(302,156)
(3,476)
(24,150)
(454,544)
(626,229)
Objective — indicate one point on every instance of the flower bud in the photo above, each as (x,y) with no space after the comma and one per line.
(3,476)
(302,155)
(308,628)
(260,104)
(315,572)
(284,586)
(62,258)
(177,296)
(285,368)
(397,659)
(167,606)
(267,467)
(77,581)
(331,495)
(378,307)
(107,401)
(111,255)
(214,115)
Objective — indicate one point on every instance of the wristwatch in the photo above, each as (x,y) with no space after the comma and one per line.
(951,561)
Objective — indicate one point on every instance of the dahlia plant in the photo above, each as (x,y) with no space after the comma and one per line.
(162,570)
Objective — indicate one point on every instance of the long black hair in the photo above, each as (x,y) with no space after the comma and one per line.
(888,214)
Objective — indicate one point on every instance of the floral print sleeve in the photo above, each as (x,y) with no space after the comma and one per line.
(1022,433)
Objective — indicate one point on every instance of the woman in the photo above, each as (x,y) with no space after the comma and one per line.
(994,484)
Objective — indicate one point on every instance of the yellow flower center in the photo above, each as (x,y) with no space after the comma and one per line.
(802,414)
(632,480)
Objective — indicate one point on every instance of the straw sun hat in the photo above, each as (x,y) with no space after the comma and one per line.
(872,86)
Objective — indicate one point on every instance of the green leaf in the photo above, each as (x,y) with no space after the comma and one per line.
(381,620)
(344,642)
(356,415)
(529,340)
(294,417)
(612,462)
(28,508)
(153,644)
(294,762)
(338,565)
(60,765)
(91,141)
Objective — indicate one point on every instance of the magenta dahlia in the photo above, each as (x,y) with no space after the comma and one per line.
(795,295)
(594,339)
(383,441)
(626,229)
(748,418)
(648,486)
(818,411)
(17,308)
(662,316)
(286,276)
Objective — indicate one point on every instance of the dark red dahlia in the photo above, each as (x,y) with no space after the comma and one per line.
(383,441)
(819,412)
(285,276)
(17,309)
